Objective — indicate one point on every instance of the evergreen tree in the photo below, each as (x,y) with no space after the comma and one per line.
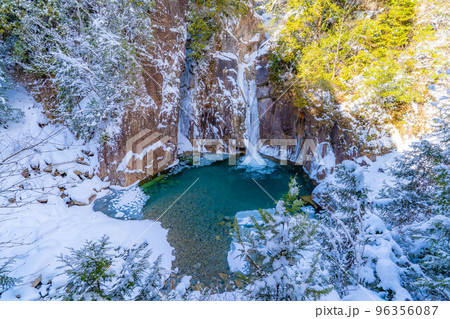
(98,272)
(394,28)
(6,280)
(88,271)
(419,211)
(92,52)
(341,229)
(359,248)
(152,285)
(432,252)
(206,18)
(138,279)
(283,262)
(422,180)
(3,102)
(327,44)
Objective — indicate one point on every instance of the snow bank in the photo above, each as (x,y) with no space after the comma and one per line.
(45,169)
(51,229)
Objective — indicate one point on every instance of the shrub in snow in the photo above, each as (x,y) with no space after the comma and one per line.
(421,188)
(432,242)
(6,281)
(98,272)
(205,19)
(88,270)
(283,259)
(138,279)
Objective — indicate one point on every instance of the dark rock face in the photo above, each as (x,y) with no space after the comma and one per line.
(216,101)
(262,74)
(263,92)
(155,123)
(281,119)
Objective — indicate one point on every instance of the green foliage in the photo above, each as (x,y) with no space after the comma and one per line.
(394,27)
(200,31)
(351,234)
(341,228)
(304,41)
(434,257)
(88,270)
(422,188)
(98,272)
(390,82)
(279,247)
(6,281)
(327,43)
(206,19)
(8,18)
(138,279)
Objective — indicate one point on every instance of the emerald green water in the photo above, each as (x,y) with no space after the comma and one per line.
(199,221)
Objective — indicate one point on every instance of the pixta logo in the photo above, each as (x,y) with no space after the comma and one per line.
(148,152)
(289,150)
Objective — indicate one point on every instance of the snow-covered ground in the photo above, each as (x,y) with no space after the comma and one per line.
(47,185)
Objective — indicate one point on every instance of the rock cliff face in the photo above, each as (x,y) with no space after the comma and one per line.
(281,119)
(212,105)
(216,92)
(148,138)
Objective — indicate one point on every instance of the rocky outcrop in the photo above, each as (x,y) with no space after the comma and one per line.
(216,90)
(280,118)
(148,139)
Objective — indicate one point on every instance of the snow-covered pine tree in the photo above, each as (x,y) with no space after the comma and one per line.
(355,241)
(88,271)
(6,281)
(419,210)
(442,170)
(3,102)
(412,198)
(341,228)
(97,271)
(283,261)
(422,178)
(432,241)
(138,279)
(152,285)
